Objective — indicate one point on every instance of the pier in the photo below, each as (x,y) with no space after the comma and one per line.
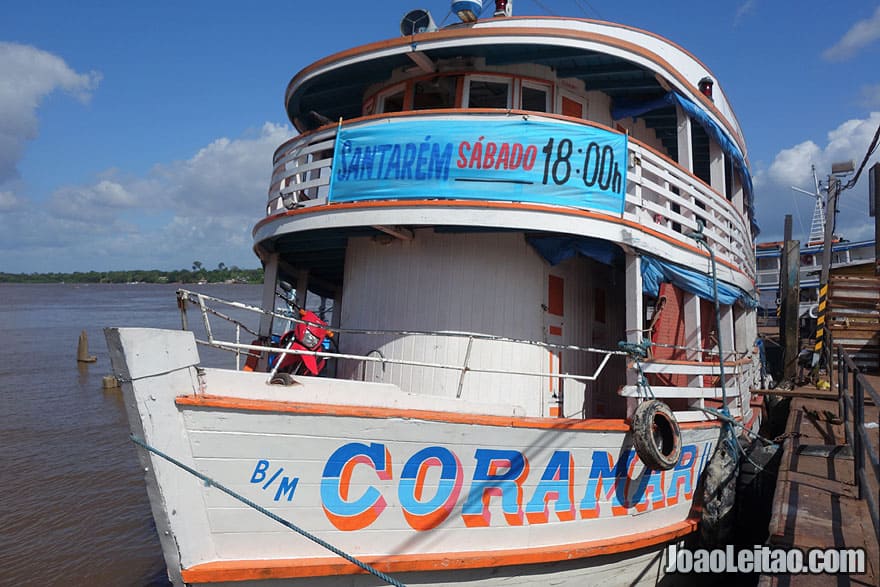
(818,502)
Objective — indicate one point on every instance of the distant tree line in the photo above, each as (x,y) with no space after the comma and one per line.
(198,273)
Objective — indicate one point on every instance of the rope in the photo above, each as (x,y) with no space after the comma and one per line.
(211,483)
(636,352)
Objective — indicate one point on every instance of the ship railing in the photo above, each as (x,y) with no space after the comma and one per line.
(736,367)
(854,391)
(703,382)
(661,195)
(201,300)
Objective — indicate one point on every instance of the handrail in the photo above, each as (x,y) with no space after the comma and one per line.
(856,431)
(200,300)
(660,194)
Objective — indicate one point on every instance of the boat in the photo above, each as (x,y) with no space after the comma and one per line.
(854,257)
(847,257)
(522,248)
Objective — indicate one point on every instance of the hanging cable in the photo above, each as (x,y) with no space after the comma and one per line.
(871,148)
(287,524)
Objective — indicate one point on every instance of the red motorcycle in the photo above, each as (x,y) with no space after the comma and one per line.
(309,335)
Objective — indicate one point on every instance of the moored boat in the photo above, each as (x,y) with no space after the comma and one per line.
(537,235)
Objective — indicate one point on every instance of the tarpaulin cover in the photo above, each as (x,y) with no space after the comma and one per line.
(556,249)
(656,271)
(731,149)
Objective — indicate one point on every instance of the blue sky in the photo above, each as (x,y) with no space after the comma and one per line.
(140,135)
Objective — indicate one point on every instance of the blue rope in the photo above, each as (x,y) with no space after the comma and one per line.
(211,483)
(638,351)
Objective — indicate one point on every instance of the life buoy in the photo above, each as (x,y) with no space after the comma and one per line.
(656,435)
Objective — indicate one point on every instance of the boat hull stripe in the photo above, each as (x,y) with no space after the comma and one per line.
(245,570)
(256,405)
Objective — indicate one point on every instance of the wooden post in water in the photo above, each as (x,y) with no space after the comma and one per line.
(82,349)
(789,302)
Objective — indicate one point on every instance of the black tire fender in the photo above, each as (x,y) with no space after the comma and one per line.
(656,435)
(282,379)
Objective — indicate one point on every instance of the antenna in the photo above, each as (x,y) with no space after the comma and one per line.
(817,226)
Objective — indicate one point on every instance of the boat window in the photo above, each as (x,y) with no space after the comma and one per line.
(534,98)
(436,92)
(392,101)
(571,105)
(483,93)
(767,263)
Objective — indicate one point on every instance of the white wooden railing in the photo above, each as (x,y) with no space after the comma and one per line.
(739,373)
(660,195)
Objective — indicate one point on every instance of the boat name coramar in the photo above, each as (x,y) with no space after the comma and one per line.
(611,489)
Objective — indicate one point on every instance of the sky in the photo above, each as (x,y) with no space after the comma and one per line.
(140,135)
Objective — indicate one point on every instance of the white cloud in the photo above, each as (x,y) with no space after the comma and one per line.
(744,9)
(862,34)
(792,167)
(200,208)
(8,201)
(27,76)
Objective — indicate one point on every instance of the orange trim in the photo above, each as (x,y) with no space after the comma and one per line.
(465,33)
(493,204)
(257,405)
(556,330)
(247,570)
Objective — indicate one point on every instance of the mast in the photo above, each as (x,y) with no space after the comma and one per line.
(817,225)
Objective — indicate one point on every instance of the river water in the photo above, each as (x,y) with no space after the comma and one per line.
(73,504)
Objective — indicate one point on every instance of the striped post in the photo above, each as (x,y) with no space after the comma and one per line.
(820,325)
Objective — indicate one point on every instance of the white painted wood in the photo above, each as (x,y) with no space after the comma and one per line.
(667,392)
(690,369)
(270,278)
(685,150)
(153,366)
(486,283)
(228,445)
(716,167)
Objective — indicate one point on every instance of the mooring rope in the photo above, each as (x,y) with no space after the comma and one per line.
(212,483)
(638,351)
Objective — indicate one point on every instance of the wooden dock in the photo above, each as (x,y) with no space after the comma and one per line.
(816,501)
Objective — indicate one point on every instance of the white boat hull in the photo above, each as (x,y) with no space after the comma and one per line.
(432,491)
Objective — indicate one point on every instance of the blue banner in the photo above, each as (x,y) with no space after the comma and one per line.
(509,159)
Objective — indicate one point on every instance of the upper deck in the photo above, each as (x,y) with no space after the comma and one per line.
(566,92)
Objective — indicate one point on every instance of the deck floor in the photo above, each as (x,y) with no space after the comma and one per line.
(815,504)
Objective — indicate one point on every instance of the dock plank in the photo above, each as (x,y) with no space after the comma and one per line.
(816,505)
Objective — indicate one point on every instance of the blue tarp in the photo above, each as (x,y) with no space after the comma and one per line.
(556,249)
(655,271)
(730,148)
